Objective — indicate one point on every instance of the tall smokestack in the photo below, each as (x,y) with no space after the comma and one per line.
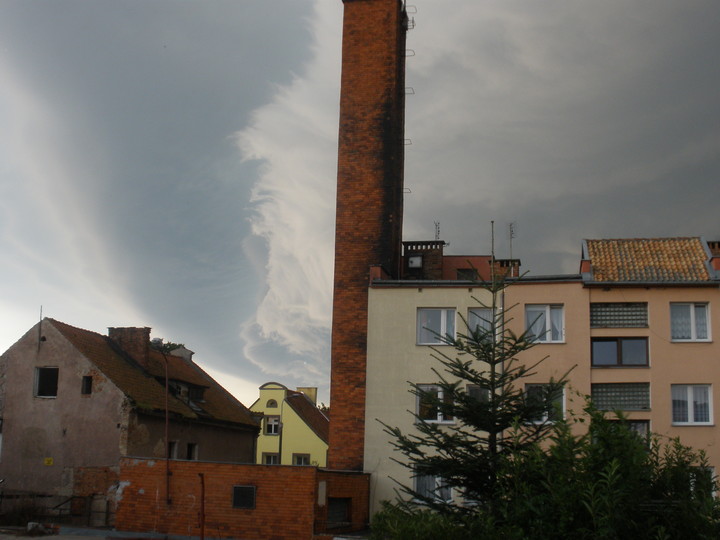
(368,227)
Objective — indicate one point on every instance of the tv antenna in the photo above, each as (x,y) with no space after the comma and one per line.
(511,235)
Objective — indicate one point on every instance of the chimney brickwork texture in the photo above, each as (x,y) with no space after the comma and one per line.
(369,203)
(134,341)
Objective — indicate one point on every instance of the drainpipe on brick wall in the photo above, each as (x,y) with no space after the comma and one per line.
(202,506)
(168,499)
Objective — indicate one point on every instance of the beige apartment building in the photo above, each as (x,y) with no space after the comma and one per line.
(634,328)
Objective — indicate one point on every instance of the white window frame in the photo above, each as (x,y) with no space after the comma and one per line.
(693,321)
(274,422)
(430,388)
(440,487)
(545,418)
(545,310)
(689,401)
(435,334)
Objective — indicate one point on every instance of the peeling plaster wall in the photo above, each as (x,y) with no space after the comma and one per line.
(45,439)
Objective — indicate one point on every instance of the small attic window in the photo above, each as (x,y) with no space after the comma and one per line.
(271,404)
(196,393)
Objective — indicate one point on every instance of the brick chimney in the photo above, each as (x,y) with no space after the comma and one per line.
(134,341)
(368,226)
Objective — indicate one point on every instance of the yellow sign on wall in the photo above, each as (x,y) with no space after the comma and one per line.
(48,461)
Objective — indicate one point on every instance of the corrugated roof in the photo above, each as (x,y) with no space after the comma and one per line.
(142,386)
(648,260)
(310,414)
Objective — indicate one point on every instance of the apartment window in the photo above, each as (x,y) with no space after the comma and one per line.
(243,497)
(272,425)
(544,323)
(434,325)
(270,459)
(191,452)
(301,459)
(172,450)
(427,403)
(640,427)
(46,382)
(432,487)
(86,387)
(621,396)
(478,393)
(689,322)
(619,315)
(614,352)
(537,395)
(691,404)
(271,404)
(480,320)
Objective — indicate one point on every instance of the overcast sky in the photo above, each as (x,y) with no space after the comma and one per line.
(171,163)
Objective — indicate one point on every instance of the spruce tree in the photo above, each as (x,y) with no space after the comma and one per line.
(481,377)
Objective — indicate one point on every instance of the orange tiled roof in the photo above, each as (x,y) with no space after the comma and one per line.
(142,386)
(648,260)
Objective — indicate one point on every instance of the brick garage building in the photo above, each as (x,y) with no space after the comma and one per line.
(252,502)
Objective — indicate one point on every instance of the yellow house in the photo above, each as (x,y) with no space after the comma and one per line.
(294,431)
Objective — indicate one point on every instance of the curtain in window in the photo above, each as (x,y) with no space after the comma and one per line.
(680,321)
(701,321)
(701,403)
(679,404)
(556,323)
(537,325)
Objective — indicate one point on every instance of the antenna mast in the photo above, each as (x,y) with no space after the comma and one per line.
(511,234)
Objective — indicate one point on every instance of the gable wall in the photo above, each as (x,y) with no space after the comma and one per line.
(44,439)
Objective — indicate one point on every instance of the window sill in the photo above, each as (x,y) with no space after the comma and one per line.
(549,342)
(691,341)
(645,366)
(693,424)
(439,422)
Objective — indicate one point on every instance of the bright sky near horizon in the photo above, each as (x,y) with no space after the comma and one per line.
(172,163)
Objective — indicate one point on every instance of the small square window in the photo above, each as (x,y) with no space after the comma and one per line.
(537,396)
(435,325)
(689,322)
(432,487)
(427,407)
(244,497)
(272,425)
(545,323)
(270,459)
(46,382)
(480,324)
(301,459)
(691,404)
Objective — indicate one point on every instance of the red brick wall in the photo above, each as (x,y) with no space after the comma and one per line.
(346,485)
(369,202)
(286,505)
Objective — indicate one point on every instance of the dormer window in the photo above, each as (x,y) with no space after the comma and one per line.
(196,393)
